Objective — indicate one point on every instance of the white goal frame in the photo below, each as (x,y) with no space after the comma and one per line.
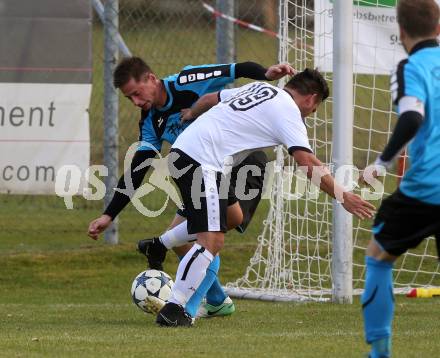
(278,270)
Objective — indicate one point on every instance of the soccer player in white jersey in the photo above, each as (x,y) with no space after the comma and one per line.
(254,116)
(412,212)
(161,101)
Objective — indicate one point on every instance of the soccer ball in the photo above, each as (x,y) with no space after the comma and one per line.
(153,283)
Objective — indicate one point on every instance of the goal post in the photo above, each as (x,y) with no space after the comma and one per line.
(342,259)
(309,247)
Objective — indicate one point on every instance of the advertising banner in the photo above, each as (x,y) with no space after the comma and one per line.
(376,45)
(45,88)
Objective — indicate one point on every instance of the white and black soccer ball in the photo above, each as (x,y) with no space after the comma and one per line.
(151,283)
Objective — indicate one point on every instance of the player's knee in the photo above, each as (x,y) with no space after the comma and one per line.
(377,252)
(215,243)
(235,216)
(217,246)
(211,241)
(182,250)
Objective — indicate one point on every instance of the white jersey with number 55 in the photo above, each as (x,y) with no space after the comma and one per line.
(253,116)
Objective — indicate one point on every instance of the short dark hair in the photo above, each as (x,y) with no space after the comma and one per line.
(128,68)
(419,18)
(309,82)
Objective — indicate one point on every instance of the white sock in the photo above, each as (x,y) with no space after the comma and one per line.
(177,236)
(190,274)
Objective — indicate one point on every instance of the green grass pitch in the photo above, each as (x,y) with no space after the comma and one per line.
(65,295)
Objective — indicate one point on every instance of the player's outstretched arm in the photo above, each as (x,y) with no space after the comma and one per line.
(410,119)
(320,176)
(203,104)
(255,71)
(120,200)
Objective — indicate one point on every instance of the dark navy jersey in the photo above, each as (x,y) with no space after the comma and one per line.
(183,90)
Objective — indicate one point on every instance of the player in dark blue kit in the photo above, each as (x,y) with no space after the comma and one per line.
(161,102)
(412,212)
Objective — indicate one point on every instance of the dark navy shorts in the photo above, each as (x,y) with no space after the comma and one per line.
(252,182)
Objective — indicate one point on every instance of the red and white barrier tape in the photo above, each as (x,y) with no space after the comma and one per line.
(240,22)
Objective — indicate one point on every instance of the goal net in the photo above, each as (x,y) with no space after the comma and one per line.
(293,259)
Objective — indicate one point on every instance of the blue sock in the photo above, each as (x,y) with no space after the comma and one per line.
(211,274)
(215,295)
(378,306)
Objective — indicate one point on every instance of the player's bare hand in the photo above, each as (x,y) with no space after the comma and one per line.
(98,225)
(355,205)
(276,72)
(186,115)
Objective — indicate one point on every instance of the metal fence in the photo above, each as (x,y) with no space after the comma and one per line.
(167,34)
(170,34)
